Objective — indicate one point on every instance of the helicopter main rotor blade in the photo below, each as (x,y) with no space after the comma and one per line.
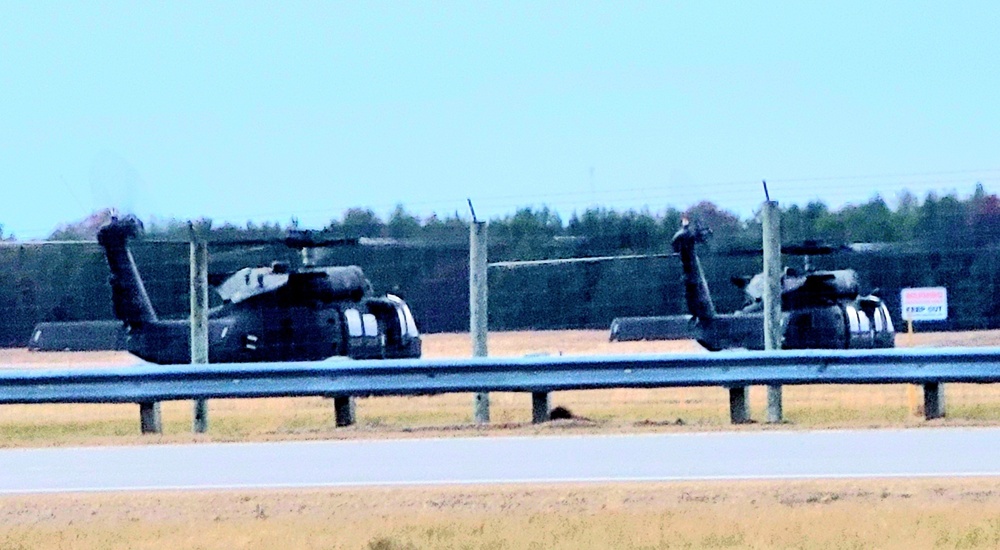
(591,259)
(90,242)
(292,241)
(801,249)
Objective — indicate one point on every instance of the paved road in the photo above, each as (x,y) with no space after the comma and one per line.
(726,455)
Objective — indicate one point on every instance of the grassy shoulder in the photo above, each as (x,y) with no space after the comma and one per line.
(925,513)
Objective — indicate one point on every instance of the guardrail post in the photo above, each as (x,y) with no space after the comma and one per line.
(739,405)
(199,321)
(343,407)
(771,223)
(933,400)
(478,302)
(539,407)
(149,417)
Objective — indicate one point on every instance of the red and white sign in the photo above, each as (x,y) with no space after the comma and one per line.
(925,304)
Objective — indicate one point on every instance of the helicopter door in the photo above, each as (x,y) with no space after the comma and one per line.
(355,332)
(399,335)
(333,331)
(861,335)
(364,341)
(406,322)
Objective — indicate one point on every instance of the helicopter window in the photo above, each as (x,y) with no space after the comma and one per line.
(400,317)
(409,326)
(353,322)
(371,324)
(852,317)
(864,325)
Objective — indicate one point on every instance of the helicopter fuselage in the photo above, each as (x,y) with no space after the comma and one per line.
(268,314)
(820,310)
(360,330)
(855,324)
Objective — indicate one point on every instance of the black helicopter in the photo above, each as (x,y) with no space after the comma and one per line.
(820,309)
(271,313)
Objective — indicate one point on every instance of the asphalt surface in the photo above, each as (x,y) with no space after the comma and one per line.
(925,452)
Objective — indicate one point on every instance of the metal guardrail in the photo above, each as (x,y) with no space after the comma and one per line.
(147,384)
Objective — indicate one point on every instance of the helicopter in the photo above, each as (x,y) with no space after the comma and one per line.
(273,313)
(820,309)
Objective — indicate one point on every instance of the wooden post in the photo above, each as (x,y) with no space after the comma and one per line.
(933,400)
(739,405)
(772,297)
(199,321)
(478,293)
(911,389)
(343,408)
(539,407)
(149,418)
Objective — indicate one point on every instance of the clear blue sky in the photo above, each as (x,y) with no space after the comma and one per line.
(243,111)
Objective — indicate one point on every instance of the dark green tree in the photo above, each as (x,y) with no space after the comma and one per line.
(402,224)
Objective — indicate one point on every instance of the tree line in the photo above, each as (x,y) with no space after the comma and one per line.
(937,240)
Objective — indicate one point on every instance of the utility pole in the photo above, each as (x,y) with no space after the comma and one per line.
(478,297)
(771,218)
(199,319)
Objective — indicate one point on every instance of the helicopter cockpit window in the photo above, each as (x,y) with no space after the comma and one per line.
(852,317)
(398,304)
(406,322)
(371,324)
(877,318)
(411,325)
(353,319)
(864,325)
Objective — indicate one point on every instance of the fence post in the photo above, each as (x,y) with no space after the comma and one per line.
(343,409)
(199,320)
(149,417)
(539,407)
(478,296)
(933,400)
(772,297)
(739,405)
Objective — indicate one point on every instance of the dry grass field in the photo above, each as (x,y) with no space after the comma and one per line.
(836,514)
(620,410)
(855,514)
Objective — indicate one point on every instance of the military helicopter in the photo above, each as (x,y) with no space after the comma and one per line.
(273,313)
(820,309)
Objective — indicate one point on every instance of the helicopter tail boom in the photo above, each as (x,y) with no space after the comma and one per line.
(130,299)
(667,327)
(725,331)
(699,300)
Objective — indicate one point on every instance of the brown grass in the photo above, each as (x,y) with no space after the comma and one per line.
(809,514)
